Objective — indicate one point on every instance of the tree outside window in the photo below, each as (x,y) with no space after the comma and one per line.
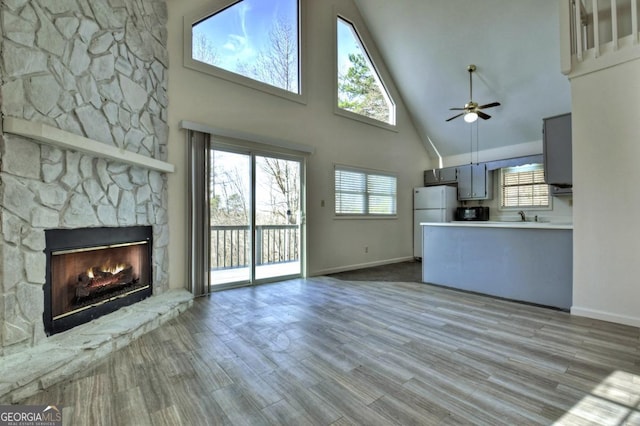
(360,89)
(257,39)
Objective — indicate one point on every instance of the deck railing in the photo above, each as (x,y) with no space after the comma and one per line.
(597,34)
(231,245)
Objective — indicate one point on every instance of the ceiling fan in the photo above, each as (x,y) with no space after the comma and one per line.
(472,110)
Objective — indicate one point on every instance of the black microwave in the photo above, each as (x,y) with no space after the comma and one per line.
(472,213)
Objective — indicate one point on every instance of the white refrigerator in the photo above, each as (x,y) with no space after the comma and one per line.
(431,204)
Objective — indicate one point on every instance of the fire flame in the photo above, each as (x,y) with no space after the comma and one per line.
(112,269)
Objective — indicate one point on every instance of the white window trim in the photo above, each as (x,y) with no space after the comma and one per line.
(219,5)
(515,209)
(365,216)
(354,18)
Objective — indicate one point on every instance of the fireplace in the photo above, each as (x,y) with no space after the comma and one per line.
(94,271)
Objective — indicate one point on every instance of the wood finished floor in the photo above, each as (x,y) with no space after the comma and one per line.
(328,352)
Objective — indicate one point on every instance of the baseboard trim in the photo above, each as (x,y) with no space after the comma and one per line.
(359,266)
(605,316)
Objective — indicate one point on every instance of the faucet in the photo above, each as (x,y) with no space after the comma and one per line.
(522,216)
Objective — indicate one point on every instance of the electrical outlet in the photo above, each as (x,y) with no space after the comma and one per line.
(366,249)
(321,203)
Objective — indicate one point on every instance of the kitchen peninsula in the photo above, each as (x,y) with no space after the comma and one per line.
(524,261)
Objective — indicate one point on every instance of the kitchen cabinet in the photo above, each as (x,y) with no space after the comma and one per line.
(474,182)
(442,176)
(471,257)
(557,151)
(557,191)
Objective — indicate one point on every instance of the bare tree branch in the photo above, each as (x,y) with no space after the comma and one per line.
(203,49)
(278,65)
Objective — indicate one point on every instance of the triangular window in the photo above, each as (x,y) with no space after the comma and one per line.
(256,39)
(360,88)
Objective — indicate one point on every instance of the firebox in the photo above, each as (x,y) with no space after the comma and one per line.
(94,271)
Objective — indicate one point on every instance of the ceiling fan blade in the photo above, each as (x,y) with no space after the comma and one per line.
(483,115)
(472,107)
(491,105)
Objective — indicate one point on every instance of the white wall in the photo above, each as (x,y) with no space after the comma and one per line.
(333,244)
(606,149)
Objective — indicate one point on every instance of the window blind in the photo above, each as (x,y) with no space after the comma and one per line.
(524,187)
(363,192)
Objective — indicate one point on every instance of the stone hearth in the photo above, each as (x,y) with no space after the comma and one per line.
(60,356)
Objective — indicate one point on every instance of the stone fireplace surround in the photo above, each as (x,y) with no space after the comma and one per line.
(93,73)
(37,361)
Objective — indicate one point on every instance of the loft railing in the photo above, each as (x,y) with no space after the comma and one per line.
(597,34)
(231,245)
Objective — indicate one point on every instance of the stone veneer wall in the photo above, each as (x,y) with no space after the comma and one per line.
(96,68)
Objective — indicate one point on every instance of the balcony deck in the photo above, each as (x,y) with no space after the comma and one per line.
(238,275)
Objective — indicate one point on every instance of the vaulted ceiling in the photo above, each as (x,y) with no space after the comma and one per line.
(427,45)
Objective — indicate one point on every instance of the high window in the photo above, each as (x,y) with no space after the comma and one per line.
(360,89)
(524,186)
(362,192)
(257,40)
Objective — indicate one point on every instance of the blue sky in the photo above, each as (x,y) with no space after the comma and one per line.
(239,32)
(347,44)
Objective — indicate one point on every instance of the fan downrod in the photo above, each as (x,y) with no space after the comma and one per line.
(472,107)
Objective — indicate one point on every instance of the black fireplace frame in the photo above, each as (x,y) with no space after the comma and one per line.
(79,238)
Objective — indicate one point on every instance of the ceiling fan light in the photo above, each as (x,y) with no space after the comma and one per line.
(470,117)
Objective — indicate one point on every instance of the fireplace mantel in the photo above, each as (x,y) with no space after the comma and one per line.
(63,139)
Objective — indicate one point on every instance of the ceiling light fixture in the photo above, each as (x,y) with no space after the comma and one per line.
(471,110)
(470,117)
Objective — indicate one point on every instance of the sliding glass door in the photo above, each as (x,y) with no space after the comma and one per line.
(278,217)
(255,217)
(230,217)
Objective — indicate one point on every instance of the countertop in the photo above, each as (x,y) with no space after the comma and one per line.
(496,224)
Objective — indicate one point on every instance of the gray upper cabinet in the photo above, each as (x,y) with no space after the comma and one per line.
(431,177)
(443,176)
(474,182)
(448,175)
(557,150)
